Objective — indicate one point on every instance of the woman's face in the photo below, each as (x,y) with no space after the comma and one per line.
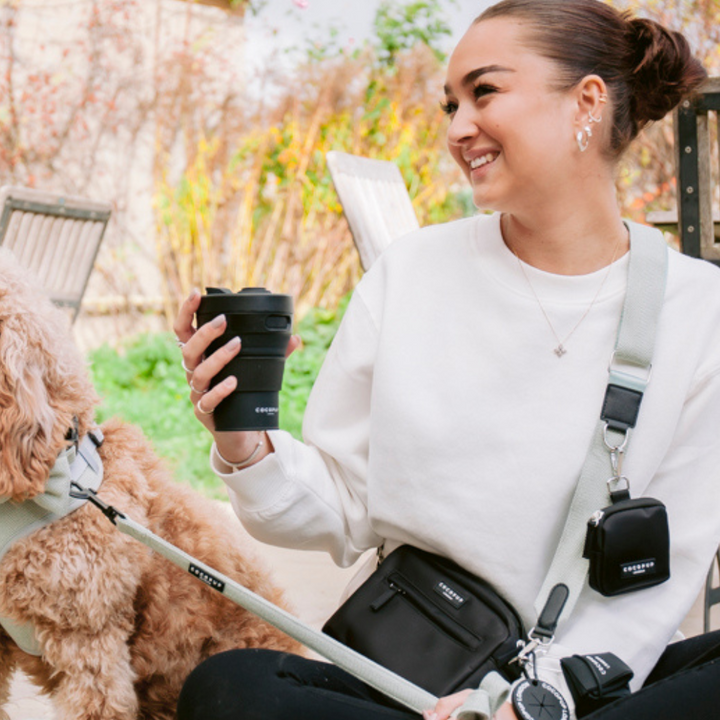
(510,132)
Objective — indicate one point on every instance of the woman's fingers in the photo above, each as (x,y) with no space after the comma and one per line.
(206,402)
(506,712)
(202,397)
(183,326)
(447,705)
(293,344)
(208,368)
(194,349)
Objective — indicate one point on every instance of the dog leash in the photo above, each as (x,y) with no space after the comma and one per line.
(378,677)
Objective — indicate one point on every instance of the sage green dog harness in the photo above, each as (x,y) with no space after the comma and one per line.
(79,463)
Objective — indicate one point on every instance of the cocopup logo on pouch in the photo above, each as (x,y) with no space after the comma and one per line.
(640,567)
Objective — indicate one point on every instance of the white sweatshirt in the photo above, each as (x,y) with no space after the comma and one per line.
(442,418)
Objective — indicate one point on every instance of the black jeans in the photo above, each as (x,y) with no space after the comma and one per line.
(268,685)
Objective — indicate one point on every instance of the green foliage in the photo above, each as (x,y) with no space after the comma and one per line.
(143,383)
(399,28)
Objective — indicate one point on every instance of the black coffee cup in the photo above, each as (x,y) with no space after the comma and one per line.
(263,321)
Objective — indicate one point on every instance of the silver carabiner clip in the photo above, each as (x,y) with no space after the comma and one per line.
(537,643)
(526,649)
(615,448)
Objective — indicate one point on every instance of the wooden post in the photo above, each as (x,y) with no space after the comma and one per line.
(693,153)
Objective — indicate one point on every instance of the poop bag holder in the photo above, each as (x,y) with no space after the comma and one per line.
(431,622)
(596,680)
(628,546)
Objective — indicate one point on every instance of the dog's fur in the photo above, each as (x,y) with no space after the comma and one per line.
(120,627)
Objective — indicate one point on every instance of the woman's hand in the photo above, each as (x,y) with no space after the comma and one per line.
(448,705)
(506,712)
(235,447)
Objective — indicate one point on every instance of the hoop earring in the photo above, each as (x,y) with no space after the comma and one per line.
(593,119)
(583,138)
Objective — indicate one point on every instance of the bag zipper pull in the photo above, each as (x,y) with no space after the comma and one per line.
(386,597)
(595,518)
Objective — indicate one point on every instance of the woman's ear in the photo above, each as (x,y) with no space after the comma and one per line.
(591,96)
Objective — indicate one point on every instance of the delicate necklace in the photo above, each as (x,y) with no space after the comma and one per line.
(560,349)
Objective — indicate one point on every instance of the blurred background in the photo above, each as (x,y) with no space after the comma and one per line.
(206,124)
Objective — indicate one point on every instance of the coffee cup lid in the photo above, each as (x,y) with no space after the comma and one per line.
(247,300)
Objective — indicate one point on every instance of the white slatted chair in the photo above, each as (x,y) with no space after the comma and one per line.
(56,237)
(375,202)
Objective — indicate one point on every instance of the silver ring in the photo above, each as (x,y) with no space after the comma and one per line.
(179,342)
(185,367)
(195,390)
(200,408)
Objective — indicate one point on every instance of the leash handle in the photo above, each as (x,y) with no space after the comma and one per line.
(377,676)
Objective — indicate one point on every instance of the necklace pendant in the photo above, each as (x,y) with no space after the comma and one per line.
(560,350)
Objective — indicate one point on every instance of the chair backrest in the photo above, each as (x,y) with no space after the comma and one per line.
(375,201)
(56,237)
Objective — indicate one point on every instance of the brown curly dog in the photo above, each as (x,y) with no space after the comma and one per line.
(120,627)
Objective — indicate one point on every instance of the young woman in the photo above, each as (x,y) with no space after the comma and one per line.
(457,403)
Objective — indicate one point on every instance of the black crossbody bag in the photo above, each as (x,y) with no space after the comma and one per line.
(430,621)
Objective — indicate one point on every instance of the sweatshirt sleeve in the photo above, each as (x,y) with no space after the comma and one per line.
(313,495)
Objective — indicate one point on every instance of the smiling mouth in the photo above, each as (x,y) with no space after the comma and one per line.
(483,160)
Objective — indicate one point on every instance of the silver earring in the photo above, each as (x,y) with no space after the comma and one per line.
(583,138)
(593,119)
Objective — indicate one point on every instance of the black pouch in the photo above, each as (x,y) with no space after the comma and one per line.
(596,680)
(431,622)
(628,546)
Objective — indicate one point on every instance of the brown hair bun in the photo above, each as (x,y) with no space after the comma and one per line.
(661,70)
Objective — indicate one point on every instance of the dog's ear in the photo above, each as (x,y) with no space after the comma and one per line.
(28,442)
(44,385)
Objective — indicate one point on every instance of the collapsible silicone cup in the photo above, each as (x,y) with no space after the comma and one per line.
(263,321)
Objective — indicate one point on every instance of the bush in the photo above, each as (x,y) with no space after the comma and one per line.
(143,383)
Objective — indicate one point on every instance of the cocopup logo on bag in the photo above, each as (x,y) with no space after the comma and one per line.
(449,594)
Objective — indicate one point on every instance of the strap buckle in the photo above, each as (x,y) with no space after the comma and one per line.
(82,493)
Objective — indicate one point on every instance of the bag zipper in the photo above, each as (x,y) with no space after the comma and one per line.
(386,597)
(641,502)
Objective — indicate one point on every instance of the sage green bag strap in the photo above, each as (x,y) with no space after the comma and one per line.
(629,370)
